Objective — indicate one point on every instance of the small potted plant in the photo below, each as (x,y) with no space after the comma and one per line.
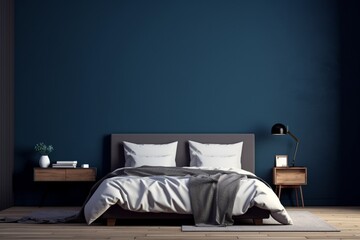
(44,150)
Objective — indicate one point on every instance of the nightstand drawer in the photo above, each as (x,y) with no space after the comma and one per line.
(64,175)
(290,176)
(85,174)
(49,175)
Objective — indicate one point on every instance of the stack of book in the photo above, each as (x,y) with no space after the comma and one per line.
(65,164)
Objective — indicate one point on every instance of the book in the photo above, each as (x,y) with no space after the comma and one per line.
(63,166)
(66,162)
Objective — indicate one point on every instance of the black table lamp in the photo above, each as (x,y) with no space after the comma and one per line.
(280,129)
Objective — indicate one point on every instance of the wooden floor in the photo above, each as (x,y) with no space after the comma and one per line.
(346,219)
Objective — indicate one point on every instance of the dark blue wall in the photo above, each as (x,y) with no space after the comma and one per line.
(86,69)
(350,99)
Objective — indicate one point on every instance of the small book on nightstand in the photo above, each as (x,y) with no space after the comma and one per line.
(64,164)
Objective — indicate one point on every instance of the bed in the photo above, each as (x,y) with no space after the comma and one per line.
(255,213)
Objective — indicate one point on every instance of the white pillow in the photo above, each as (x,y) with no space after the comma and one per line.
(217,161)
(138,161)
(215,150)
(149,150)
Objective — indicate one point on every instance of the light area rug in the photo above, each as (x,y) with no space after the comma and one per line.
(52,216)
(304,221)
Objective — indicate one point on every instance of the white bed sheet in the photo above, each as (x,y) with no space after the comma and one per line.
(171,194)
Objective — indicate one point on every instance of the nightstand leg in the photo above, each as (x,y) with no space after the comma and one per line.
(279,195)
(297,197)
(302,198)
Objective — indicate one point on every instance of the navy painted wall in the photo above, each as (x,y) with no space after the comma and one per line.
(86,69)
(350,99)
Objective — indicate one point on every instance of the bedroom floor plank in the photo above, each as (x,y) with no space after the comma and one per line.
(273,238)
(186,238)
(347,219)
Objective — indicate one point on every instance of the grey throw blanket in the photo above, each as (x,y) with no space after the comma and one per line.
(212,192)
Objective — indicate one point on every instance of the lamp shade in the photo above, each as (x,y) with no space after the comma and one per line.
(279,129)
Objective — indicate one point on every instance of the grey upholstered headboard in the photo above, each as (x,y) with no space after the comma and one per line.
(182,155)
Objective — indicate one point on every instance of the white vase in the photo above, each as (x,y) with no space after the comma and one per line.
(44,161)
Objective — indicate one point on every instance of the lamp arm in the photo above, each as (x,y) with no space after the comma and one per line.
(296,147)
(293,136)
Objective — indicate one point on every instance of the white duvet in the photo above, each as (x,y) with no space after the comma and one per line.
(171,194)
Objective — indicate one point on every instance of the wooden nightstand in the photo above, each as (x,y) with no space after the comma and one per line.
(290,177)
(64,174)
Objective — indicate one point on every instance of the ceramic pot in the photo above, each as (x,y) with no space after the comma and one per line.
(44,161)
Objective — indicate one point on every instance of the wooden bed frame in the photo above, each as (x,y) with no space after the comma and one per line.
(182,159)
